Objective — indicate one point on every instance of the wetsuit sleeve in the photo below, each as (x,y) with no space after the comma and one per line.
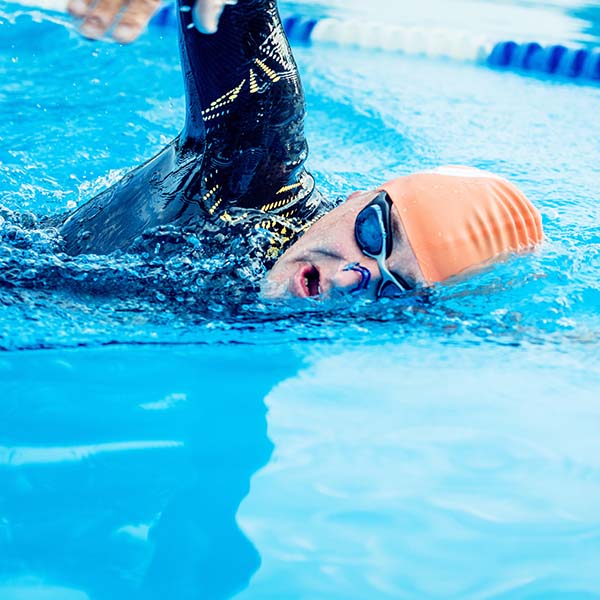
(239,161)
(245,105)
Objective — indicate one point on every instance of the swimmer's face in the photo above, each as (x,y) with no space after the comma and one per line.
(317,264)
(207,14)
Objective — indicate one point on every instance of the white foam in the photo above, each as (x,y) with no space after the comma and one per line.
(53,5)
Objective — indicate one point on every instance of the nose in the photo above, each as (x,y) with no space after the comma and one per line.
(351,279)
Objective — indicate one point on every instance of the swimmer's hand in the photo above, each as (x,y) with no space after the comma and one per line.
(207,13)
(126,19)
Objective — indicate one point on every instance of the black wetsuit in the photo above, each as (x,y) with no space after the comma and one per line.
(238,164)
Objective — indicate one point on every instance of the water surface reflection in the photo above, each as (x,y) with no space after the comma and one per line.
(121,470)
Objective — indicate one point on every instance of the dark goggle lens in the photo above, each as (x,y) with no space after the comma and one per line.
(390,290)
(367,230)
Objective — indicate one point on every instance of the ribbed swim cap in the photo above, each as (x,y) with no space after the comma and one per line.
(459,217)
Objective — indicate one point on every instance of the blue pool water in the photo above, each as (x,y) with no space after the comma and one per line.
(165,435)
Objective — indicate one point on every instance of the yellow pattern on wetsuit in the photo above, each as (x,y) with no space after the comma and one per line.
(254,138)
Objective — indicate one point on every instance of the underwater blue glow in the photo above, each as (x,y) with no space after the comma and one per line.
(164,434)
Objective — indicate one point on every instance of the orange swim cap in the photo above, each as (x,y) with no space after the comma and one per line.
(460,217)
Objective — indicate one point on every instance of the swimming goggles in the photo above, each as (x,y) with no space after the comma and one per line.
(373,233)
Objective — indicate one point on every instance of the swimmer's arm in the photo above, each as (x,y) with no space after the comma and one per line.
(218,63)
(245,101)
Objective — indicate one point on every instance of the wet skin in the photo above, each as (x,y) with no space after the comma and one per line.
(317,264)
(124,21)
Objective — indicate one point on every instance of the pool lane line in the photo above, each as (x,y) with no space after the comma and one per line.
(558,60)
(551,60)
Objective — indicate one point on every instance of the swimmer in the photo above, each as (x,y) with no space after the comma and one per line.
(238,168)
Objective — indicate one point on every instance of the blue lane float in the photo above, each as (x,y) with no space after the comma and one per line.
(556,59)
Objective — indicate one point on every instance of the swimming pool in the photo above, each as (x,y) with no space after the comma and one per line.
(153,446)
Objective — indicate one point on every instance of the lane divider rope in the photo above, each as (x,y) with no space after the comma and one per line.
(560,60)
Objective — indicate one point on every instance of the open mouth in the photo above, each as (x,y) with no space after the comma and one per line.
(308,282)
